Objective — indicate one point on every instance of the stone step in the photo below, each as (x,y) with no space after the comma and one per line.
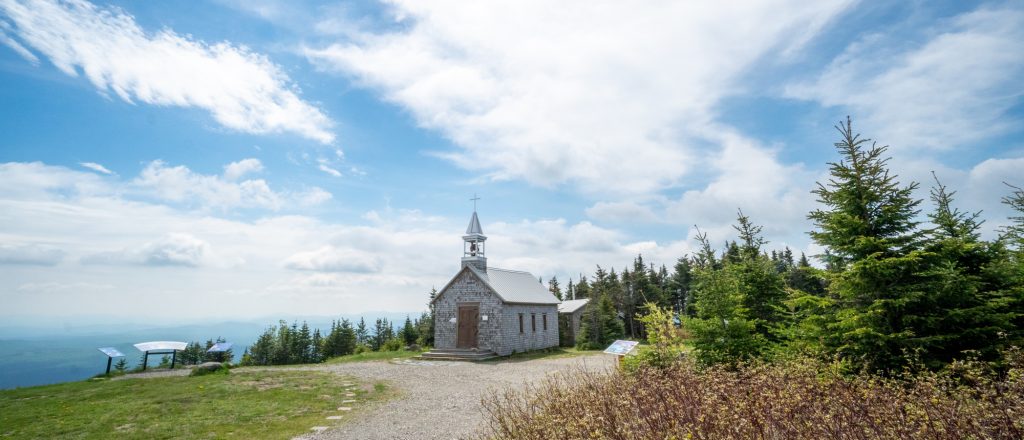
(457,355)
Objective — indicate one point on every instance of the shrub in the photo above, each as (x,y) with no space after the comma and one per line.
(796,400)
(363,348)
(393,344)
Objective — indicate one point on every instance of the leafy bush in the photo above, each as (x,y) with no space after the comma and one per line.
(363,348)
(393,344)
(795,400)
(224,370)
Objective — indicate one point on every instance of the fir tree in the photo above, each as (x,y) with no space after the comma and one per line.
(362,333)
(408,333)
(554,288)
(679,285)
(868,227)
(722,330)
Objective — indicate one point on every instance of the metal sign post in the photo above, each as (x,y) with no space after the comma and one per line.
(111,353)
(160,347)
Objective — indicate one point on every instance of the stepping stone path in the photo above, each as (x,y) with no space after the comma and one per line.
(342,408)
(350,394)
(333,417)
(319,428)
(349,401)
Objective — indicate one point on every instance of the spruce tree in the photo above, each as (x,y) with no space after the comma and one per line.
(723,332)
(873,246)
(555,288)
(362,333)
(761,287)
(969,307)
(679,286)
(409,334)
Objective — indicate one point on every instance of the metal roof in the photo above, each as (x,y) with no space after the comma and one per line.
(515,286)
(474,226)
(572,305)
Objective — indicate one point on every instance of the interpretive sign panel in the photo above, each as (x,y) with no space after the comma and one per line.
(111,352)
(621,348)
(161,345)
(220,346)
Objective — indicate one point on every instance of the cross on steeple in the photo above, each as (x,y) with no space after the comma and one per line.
(474,199)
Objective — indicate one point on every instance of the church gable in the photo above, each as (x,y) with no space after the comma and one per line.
(466,286)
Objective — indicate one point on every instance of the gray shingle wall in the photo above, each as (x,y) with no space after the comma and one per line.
(516,342)
(467,288)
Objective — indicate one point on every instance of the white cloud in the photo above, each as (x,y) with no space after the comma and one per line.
(327,169)
(14,45)
(242,90)
(331,259)
(604,95)
(179,184)
(96,167)
(173,249)
(235,170)
(954,89)
(314,196)
(33,254)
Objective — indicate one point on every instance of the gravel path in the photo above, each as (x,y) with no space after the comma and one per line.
(440,400)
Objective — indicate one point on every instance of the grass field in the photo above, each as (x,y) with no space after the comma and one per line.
(251,403)
(373,356)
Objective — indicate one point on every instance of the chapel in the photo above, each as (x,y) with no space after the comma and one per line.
(485,311)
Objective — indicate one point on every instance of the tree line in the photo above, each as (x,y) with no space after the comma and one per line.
(285,344)
(894,291)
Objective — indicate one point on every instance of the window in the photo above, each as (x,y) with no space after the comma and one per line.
(520,323)
(544,319)
(533,322)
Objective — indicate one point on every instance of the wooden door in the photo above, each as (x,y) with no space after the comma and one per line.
(469,318)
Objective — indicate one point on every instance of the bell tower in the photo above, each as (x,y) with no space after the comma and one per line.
(473,242)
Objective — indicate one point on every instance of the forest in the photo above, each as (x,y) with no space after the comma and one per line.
(900,282)
(909,326)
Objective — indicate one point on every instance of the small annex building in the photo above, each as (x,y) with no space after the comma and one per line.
(570,316)
(485,311)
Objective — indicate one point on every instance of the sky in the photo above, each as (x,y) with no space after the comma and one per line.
(176,162)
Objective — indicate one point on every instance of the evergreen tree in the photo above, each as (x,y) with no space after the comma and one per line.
(409,334)
(761,286)
(600,325)
(554,288)
(970,304)
(425,328)
(121,365)
(582,288)
(1014,232)
(868,227)
(316,354)
(722,331)
(679,285)
(363,334)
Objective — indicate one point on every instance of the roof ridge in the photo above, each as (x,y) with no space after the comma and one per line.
(509,270)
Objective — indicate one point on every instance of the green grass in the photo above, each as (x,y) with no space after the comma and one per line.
(373,356)
(251,403)
(547,353)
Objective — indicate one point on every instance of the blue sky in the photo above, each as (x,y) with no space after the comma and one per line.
(235,159)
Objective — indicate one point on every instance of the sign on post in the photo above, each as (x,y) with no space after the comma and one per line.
(111,353)
(620,349)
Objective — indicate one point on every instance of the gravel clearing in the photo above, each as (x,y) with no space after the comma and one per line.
(440,400)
